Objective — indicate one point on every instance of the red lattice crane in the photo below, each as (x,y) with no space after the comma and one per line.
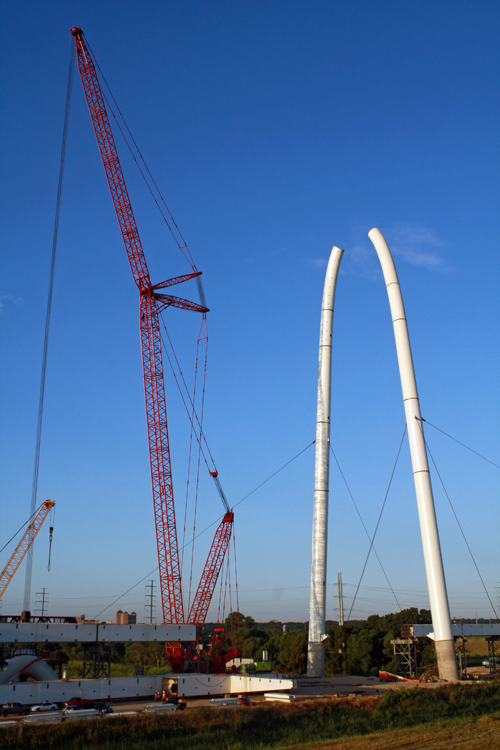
(152,302)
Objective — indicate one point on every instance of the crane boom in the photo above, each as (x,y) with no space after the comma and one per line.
(24,545)
(159,451)
(211,571)
(152,302)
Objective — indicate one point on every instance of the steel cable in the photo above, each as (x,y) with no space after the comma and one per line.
(456,519)
(34,492)
(363,524)
(376,527)
(217,520)
(460,443)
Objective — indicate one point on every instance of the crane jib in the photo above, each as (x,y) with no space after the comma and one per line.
(151,304)
(154,390)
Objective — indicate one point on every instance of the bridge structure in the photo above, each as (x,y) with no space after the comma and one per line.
(440,610)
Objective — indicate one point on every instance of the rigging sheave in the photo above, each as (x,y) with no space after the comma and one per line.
(152,302)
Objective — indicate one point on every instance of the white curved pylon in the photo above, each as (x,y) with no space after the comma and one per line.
(445,647)
(317,608)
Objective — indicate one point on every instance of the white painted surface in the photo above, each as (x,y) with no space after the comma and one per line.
(188,685)
(282,697)
(420,631)
(317,605)
(31,632)
(428,525)
(63,690)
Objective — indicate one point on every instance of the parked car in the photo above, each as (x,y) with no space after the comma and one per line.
(15,708)
(81,702)
(495,662)
(47,706)
(76,712)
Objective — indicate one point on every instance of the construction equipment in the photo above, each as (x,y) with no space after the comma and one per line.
(24,545)
(152,303)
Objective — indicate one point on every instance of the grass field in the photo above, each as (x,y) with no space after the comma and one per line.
(435,718)
(477,646)
(458,734)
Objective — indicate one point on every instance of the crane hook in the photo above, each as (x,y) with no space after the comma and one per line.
(51,532)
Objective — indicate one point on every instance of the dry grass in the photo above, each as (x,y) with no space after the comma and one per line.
(441,718)
(456,735)
(476,645)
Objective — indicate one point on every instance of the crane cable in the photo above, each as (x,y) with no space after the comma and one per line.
(51,531)
(217,520)
(236,588)
(182,247)
(51,534)
(203,323)
(202,434)
(21,528)
(193,401)
(29,558)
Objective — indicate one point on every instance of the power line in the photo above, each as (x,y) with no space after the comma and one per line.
(208,527)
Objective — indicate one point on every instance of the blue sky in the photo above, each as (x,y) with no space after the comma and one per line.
(275,130)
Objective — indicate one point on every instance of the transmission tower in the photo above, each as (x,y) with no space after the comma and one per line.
(150,605)
(341,601)
(42,602)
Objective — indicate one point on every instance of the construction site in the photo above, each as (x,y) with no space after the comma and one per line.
(210,670)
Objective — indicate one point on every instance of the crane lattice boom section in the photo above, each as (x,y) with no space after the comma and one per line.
(151,304)
(159,452)
(24,545)
(211,571)
(111,162)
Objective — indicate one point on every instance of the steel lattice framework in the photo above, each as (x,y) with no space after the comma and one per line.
(22,548)
(151,303)
(201,601)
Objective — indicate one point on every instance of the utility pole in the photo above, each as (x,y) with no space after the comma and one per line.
(150,597)
(341,601)
(42,602)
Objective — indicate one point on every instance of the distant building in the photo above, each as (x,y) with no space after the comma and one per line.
(82,619)
(125,618)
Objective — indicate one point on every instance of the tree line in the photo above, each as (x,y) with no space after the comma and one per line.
(358,647)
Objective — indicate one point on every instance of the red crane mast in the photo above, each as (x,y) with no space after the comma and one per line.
(151,304)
